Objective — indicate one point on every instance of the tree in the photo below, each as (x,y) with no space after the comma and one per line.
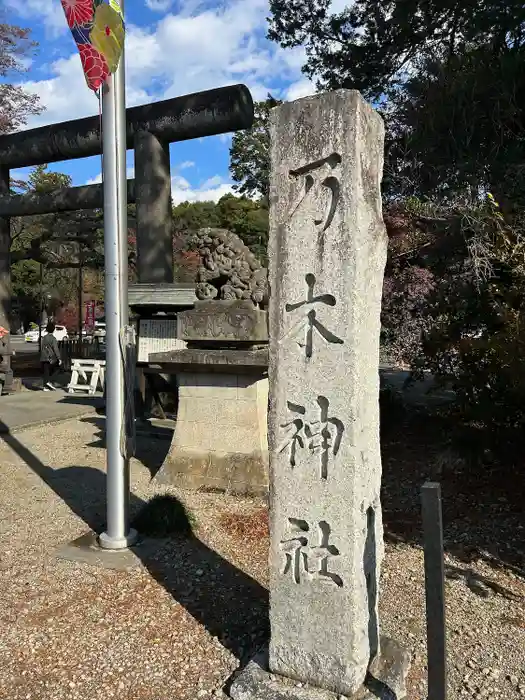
(250,153)
(458,129)
(447,77)
(473,338)
(16,104)
(374,46)
(241,215)
(42,181)
(248,219)
(54,239)
(26,293)
(186,266)
(448,80)
(59,242)
(191,216)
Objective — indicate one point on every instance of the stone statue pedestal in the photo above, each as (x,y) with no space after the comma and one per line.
(220,441)
(219,324)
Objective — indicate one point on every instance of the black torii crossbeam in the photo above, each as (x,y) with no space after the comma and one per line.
(207,113)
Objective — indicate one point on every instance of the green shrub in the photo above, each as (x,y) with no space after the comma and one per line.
(474,328)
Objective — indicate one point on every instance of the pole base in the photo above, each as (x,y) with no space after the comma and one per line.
(86,550)
(107,542)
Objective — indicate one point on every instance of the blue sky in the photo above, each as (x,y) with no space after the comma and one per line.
(174,47)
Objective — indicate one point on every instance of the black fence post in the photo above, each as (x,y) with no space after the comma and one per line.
(434,590)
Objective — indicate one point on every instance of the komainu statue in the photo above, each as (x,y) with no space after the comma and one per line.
(229,270)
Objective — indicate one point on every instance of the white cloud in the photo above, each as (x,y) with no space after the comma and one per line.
(229,49)
(50,12)
(212,182)
(294,58)
(211,190)
(130,173)
(162,59)
(197,47)
(66,95)
(186,164)
(158,5)
(302,88)
(340,5)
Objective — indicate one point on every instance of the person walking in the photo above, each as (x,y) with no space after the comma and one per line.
(50,357)
(3,365)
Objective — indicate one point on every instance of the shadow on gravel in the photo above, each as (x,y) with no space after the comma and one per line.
(152,444)
(81,488)
(84,400)
(481,585)
(230,604)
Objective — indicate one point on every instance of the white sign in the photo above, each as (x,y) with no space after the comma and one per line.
(157,335)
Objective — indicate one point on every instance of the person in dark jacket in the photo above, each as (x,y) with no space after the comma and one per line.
(3,370)
(3,366)
(50,357)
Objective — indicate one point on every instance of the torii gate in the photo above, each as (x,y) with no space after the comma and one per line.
(149,129)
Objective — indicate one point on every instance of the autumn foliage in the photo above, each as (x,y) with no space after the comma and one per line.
(16,104)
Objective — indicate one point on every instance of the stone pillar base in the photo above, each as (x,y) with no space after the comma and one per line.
(220,441)
(386,680)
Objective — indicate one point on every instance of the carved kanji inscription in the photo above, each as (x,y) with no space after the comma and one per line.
(318,177)
(305,561)
(320,436)
(309,324)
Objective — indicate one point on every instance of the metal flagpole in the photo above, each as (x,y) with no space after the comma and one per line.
(120,92)
(118,534)
(120,88)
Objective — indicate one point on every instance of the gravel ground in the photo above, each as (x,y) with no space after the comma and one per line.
(177,626)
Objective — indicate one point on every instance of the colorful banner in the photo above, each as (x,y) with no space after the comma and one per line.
(90,315)
(97,27)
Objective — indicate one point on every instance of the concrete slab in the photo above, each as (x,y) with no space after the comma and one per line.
(85,549)
(32,408)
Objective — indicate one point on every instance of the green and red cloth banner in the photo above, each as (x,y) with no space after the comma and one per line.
(97,27)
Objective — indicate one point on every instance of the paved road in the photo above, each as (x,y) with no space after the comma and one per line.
(21,347)
(421,392)
(29,408)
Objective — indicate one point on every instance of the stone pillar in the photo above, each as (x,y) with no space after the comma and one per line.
(153,205)
(327,255)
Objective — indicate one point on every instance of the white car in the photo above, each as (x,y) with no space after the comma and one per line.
(60,334)
(99,331)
